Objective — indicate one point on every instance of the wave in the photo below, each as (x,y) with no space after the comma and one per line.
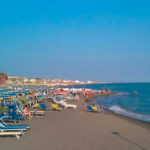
(123,93)
(118,110)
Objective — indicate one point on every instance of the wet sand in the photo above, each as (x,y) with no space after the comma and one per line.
(81,130)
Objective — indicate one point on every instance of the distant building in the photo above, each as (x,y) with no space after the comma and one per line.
(47,82)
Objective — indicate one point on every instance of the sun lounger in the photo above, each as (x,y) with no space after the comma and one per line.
(39,113)
(14,117)
(44,107)
(33,112)
(12,128)
(55,107)
(3,124)
(15,120)
(11,133)
(89,108)
(94,108)
(66,105)
(23,130)
(36,106)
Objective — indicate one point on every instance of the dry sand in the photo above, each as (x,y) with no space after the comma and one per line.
(81,130)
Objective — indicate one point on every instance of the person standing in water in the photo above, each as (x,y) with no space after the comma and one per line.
(135,92)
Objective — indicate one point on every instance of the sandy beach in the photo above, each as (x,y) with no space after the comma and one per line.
(74,75)
(81,130)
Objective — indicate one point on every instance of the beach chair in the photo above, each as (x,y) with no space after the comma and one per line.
(94,108)
(30,103)
(4,125)
(20,111)
(12,130)
(12,107)
(12,116)
(39,113)
(14,120)
(66,105)
(50,99)
(17,128)
(35,106)
(11,133)
(17,115)
(55,106)
(22,102)
(89,108)
(42,106)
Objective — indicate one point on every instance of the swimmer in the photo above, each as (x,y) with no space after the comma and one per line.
(135,92)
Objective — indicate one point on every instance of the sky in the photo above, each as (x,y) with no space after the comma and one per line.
(100,40)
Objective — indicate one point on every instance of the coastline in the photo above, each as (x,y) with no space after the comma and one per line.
(131,120)
(109,112)
(79,129)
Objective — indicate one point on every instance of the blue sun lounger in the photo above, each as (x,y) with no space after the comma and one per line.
(8,130)
(13,128)
(14,117)
(3,124)
(44,107)
(90,109)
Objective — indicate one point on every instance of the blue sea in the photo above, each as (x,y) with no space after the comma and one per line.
(126,102)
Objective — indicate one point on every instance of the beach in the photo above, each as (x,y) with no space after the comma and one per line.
(75,75)
(81,130)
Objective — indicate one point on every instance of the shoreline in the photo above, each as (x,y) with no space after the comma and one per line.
(130,119)
(79,129)
(92,98)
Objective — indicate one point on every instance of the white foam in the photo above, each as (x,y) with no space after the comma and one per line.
(117,109)
(123,93)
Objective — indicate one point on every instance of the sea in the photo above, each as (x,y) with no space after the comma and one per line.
(132,99)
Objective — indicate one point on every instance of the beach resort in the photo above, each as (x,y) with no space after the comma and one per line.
(41,117)
(74,75)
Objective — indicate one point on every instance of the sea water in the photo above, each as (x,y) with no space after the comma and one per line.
(126,102)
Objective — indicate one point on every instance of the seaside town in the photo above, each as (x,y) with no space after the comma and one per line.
(13,80)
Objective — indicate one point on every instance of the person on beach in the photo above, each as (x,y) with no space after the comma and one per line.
(84,92)
(27,112)
(33,95)
(103,91)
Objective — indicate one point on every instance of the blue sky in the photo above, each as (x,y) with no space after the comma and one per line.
(102,40)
